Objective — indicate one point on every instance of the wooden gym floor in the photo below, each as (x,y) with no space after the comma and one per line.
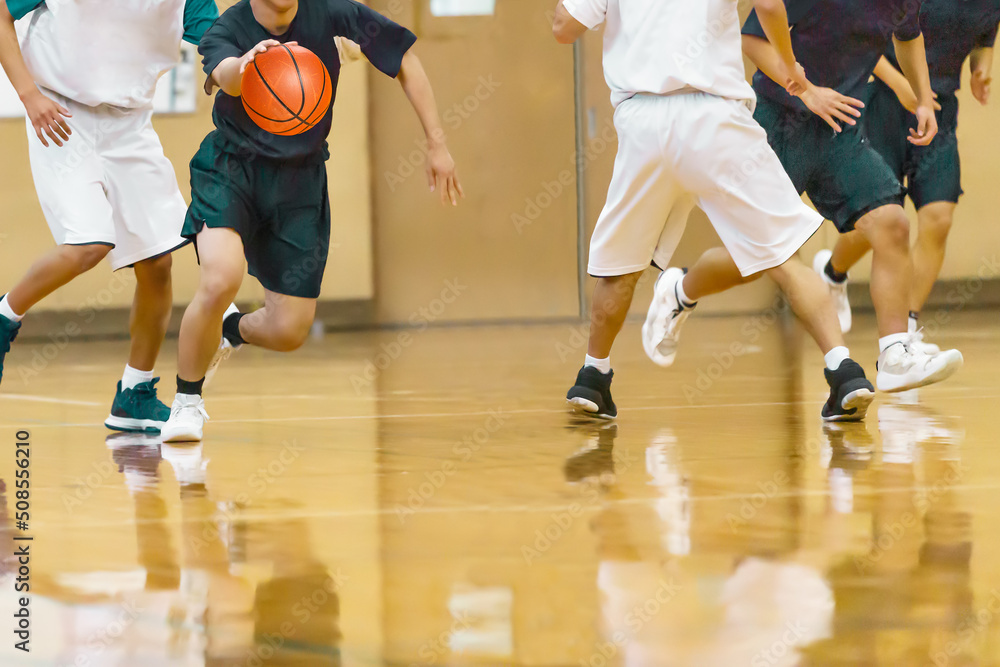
(421,498)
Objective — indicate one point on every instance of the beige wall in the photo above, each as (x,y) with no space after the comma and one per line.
(24,234)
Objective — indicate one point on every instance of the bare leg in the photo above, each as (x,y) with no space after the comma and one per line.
(714,272)
(281,325)
(222,266)
(612,298)
(934,222)
(888,232)
(809,298)
(151,308)
(52,271)
(849,250)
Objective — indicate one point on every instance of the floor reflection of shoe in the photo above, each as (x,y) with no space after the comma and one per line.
(850,445)
(596,460)
(137,456)
(674,502)
(190,466)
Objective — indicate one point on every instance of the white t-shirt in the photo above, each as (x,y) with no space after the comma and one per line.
(104,51)
(668,46)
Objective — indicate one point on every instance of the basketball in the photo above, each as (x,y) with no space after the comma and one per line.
(286,90)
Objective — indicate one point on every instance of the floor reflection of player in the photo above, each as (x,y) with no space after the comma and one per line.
(906,600)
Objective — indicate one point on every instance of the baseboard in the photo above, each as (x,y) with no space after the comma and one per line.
(957,295)
(112,323)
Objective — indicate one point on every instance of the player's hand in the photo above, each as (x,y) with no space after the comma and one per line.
(832,107)
(249,56)
(441,176)
(981,83)
(47,117)
(927,126)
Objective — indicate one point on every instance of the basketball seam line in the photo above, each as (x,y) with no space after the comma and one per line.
(295,116)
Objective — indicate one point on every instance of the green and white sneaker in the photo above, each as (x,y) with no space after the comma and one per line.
(138,409)
(8,332)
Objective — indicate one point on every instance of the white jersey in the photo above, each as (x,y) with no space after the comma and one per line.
(662,47)
(104,51)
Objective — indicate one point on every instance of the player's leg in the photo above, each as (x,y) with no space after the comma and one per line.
(763,223)
(282,325)
(68,181)
(640,198)
(151,308)
(933,226)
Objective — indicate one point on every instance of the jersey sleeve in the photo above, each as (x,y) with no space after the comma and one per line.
(988,38)
(908,26)
(590,13)
(217,44)
(199,15)
(381,40)
(20,8)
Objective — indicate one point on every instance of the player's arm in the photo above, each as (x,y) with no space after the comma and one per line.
(47,116)
(441,175)
(773,18)
(565,27)
(912,59)
(897,82)
(826,103)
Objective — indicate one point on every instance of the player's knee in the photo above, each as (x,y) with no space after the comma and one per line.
(219,288)
(936,226)
(155,271)
(891,230)
(86,257)
(291,334)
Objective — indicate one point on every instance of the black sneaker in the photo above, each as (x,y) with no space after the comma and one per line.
(591,396)
(850,393)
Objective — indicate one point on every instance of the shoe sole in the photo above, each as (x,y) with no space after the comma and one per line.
(858,400)
(182,437)
(941,375)
(582,406)
(133,425)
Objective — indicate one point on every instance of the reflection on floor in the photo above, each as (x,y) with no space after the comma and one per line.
(372,500)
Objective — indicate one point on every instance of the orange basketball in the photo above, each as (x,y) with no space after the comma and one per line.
(286,90)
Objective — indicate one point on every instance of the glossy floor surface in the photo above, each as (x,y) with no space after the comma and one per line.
(421,498)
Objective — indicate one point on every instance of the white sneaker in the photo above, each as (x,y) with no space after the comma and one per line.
(666,316)
(225,348)
(187,419)
(901,367)
(838,291)
(916,342)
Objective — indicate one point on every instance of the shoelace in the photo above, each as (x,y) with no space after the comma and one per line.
(178,409)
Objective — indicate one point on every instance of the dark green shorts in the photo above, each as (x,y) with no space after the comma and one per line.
(843,174)
(280,209)
(931,173)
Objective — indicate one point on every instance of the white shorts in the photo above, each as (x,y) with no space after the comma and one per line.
(109,184)
(694,149)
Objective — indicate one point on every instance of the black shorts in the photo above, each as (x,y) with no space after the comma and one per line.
(930,173)
(280,209)
(844,176)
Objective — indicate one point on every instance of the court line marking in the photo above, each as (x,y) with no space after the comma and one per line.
(47,399)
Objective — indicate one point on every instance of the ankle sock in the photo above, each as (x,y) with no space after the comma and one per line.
(833,274)
(190,388)
(685,301)
(891,339)
(132,376)
(603,365)
(914,322)
(231,329)
(835,357)
(8,312)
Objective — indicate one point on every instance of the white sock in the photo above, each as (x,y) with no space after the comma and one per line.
(891,339)
(836,356)
(685,300)
(603,365)
(912,324)
(131,377)
(8,312)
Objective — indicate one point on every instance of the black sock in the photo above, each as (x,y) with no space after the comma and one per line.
(185,387)
(914,315)
(833,274)
(231,329)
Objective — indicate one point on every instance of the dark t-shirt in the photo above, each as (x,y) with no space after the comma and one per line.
(838,42)
(952,30)
(314,27)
